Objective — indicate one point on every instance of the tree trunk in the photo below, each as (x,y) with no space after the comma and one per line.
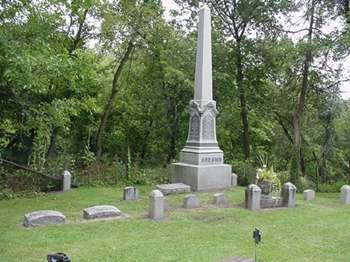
(111,99)
(299,111)
(144,145)
(243,102)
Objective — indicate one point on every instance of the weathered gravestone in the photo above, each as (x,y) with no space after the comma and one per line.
(236,259)
(43,218)
(156,205)
(66,181)
(191,201)
(233,179)
(288,194)
(252,197)
(131,193)
(201,160)
(175,188)
(309,194)
(345,194)
(270,201)
(101,212)
(219,199)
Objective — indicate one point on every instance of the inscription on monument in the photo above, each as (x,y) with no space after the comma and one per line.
(194,130)
(208,127)
(211,160)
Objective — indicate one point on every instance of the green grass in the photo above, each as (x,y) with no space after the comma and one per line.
(314,231)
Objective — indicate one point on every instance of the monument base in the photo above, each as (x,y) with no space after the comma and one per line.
(202,178)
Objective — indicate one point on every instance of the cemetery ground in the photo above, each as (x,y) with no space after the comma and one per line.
(314,231)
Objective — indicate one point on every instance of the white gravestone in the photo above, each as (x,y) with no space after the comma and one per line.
(219,199)
(131,193)
(288,195)
(175,188)
(309,194)
(252,197)
(201,160)
(345,194)
(101,212)
(191,201)
(66,181)
(156,205)
(233,180)
(43,218)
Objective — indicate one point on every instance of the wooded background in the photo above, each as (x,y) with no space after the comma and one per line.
(102,88)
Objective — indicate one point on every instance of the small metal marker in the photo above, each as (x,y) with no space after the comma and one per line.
(58,257)
(257,240)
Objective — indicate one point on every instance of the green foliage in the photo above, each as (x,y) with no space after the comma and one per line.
(266,174)
(331,187)
(55,81)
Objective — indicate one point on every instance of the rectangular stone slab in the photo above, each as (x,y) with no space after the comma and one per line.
(236,259)
(175,188)
(103,211)
(270,202)
(43,218)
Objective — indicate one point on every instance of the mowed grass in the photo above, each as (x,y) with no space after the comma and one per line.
(314,231)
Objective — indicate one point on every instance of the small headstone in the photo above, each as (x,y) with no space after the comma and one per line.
(233,179)
(175,188)
(191,201)
(66,181)
(288,195)
(219,199)
(309,194)
(252,197)
(131,193)
(345,194)
(156,205)
(236,259)
(101,212)
(43,218)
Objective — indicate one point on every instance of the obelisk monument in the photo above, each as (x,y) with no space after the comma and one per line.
(201,160)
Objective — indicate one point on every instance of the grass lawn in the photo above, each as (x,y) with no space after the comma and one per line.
(315,231)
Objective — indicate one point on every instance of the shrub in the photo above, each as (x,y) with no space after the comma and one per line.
(331,187)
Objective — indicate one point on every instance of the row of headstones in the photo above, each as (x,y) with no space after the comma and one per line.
(255,201)
(67,183)
(49,217)
(158,203)
(253,197)
(157,206)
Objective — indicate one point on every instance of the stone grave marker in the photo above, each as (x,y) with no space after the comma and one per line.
(101,212)
(288,194)
(156,205)
(191,201)
(252,197)
(66,181)
(175,188)
(345,194)
(233,180)
(309,194)
(43,218)
(219,199)
(131,193)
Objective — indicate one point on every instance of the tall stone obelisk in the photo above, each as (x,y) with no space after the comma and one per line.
(201,160)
